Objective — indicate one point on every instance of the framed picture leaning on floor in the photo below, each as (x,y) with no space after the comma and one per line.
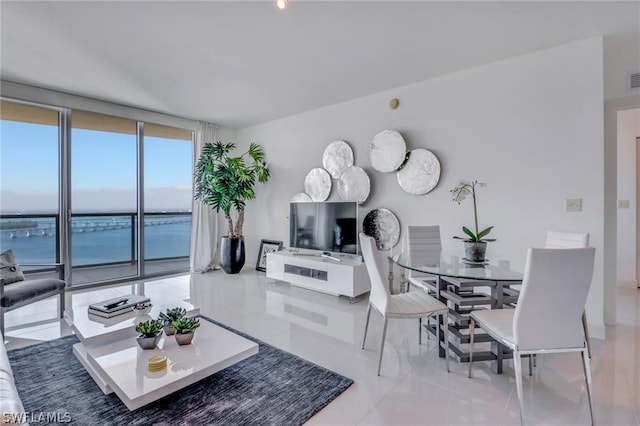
(266,246)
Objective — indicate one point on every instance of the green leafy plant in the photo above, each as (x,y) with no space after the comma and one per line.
(460,192)
(149,328)
(185,325)
(226,182)
(172,314)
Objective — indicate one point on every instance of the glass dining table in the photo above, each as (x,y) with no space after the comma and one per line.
(464,286)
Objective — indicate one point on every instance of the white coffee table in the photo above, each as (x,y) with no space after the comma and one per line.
(94,330)
(112,357)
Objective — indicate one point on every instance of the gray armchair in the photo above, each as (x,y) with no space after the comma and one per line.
(22,293)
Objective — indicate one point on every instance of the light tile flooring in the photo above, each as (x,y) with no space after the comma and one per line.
(414,388)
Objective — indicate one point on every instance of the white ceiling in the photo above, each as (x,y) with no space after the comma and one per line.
(239,63)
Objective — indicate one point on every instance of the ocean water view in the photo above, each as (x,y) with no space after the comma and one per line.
(111,169)
(97,239)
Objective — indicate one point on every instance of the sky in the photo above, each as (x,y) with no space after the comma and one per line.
(103,170)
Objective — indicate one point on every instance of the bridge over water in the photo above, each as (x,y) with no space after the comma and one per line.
(48,228)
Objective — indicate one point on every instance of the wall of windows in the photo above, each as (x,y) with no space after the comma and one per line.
(115,181)
(104,164)
(168,173)
(29,182)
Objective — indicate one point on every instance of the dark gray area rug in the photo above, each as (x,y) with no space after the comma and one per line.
(272,387)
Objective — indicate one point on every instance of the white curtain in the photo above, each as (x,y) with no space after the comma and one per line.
(204,221)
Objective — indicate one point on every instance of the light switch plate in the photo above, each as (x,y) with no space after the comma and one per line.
(623,204)
(573,204)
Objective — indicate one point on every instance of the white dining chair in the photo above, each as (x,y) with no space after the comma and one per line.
(547,316)
(423,248)
(410,305)
(561,239)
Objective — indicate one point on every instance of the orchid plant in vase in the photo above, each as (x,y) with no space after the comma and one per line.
(475,241)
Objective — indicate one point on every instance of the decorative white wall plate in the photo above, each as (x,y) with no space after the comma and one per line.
(301,197)
(421,172)
(383,226)
(354,185)
(318,184)
(337,156)
(387,151)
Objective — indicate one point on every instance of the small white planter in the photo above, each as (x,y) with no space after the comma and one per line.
(184,339)
(148,342)
(168,330)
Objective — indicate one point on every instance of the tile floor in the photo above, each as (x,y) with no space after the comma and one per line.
(414,388)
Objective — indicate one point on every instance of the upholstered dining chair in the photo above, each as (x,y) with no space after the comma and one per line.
(423,247)
(547,316)
(561,239)
(24,292)
(410,305)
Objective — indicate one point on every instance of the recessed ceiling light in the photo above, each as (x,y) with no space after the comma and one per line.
(281,4)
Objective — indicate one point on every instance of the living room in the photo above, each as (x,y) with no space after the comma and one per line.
(536,122)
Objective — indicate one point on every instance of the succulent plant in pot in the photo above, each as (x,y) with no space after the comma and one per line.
(150,333)
(169,317)
(185,328)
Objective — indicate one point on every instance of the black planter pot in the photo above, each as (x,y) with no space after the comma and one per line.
(232,254)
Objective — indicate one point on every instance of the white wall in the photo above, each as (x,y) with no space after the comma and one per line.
(611,108)
(628,129)
(226,135)
(531,127)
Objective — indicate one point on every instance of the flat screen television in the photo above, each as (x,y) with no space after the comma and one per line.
(330,226)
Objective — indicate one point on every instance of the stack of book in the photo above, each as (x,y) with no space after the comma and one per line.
(118,306)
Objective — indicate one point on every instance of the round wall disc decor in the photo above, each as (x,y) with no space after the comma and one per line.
(354,185)
(383,226)
(387,151)
(421,172)
(317,184)
(301,197)
(337,156)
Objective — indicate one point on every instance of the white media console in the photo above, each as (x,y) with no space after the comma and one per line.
(336,275)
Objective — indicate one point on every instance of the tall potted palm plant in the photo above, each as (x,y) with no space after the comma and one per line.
(226,183)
